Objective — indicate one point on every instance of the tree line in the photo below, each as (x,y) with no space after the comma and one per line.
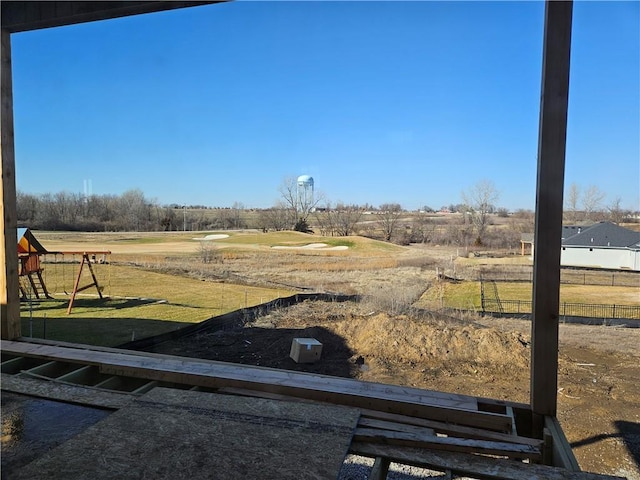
(131,211)
(473,224)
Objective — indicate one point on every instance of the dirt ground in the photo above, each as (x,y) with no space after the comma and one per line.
(598,396)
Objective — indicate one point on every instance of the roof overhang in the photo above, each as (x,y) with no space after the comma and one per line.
(21,16)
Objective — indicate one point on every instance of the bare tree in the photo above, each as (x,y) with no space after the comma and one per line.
(209,253)
(423,229)
(347,218)
(301,205)
(522,221)
(572,202)
(615,211)
(389,218)
(341,220)
(64,211)
(167,218)
(134,210)
(279,217)
(27,207)
(323,218)
(237,210)
(480,201)
(592,201)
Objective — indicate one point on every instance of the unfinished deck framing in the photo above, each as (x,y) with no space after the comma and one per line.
(455,434)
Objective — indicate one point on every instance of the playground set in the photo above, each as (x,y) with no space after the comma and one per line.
(30,269)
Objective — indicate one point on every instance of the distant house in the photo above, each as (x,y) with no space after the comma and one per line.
(601,245)
(526,240)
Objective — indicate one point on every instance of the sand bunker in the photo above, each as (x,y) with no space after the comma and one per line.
(215,236)
(312,246)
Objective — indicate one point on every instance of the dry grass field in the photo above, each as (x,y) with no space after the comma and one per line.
(598,396)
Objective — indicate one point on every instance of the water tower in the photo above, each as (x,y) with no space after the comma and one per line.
(304,193)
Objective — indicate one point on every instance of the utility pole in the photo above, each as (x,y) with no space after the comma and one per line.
(184,218)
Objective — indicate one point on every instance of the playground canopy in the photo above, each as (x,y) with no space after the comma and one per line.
(27,243)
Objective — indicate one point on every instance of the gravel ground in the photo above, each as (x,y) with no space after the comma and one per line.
(356,467)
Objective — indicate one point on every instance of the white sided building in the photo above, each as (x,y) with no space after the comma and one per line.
(601,245)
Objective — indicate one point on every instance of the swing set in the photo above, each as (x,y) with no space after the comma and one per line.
(30,268)
(88,258)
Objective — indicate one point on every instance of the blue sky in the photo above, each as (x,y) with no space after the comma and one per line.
(404,102)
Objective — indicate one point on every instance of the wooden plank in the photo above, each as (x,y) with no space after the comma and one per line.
(452,444)
(394,427)
(439,427)
(453,430)
(561,452)
(196,436)
(475,466)
(449,408)
(196,366)
(9,282)
(549,206)
(65,392)
(494,402)
(80,375)
(471,400)
(320,389)
(511,413)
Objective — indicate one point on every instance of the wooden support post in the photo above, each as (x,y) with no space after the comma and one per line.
(9,282)
(93,276)
(547,447)
(549,196)
(561,453)
(76,286)
(380,469)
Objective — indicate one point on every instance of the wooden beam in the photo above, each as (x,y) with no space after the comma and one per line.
(9,282)
(394,427)
(402,421)
(449,444)
(549,205)
(20,16)
(475,466)
(445,407)
(79,394)
(561,452)
(451,430)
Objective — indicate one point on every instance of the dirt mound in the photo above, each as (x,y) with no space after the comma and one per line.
(410,350)
(413,341)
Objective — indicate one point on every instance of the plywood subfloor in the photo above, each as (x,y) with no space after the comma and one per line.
(177,434)
(33,426)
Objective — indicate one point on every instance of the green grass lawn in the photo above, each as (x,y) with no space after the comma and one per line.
(466,295)
(356,244)
(140,304)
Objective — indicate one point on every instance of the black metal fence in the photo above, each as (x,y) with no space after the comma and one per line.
(566,309)
(567,276)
